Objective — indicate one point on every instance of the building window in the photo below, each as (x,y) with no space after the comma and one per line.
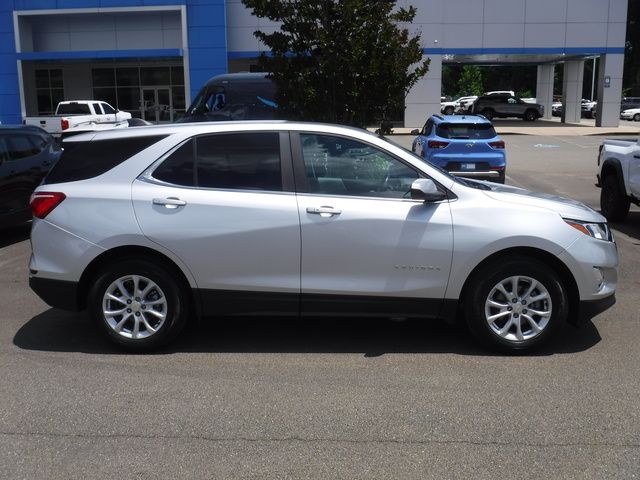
(49,90)
(125,87)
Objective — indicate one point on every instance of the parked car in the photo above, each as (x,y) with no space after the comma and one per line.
(588,108)
(619,177)
(631,114)
(449,108)
(465,146)
(504,106)
(465,105)
(234,96)
(556,109)
(26,155)
(283,218)
(629,102)
(77,116)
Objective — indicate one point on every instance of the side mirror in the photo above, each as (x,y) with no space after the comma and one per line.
(415,131)
(426,190)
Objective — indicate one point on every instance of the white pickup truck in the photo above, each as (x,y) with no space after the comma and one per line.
(619,177)
(80,115)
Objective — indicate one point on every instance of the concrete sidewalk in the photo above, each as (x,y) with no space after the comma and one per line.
(552,128)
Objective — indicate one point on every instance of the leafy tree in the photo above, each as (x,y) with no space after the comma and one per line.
(470,82)
(341,61)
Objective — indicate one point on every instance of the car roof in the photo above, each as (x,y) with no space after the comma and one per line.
(200,128)
(18,126)
(238,78)
(438,119)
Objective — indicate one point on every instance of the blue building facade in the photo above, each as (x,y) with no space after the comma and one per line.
(77,49)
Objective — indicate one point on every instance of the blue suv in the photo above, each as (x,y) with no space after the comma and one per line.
(467,146)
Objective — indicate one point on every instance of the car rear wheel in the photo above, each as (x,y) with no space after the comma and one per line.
(488,114)
(530,115)
(636,117)
(614,203)
(139,304)
(516,304)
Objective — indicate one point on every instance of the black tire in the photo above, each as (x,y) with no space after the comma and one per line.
(488,113)
(481,287)
(530,116)
(501,178)
(614,203)
(636,117)
(175,308)
(448,111)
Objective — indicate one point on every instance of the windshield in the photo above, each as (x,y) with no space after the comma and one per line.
(252,97)
(463,181)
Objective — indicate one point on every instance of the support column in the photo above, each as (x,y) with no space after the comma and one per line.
(423,100)
(572,91)
(609,90)
(544,88)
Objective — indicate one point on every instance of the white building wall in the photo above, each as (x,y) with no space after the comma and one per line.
(473,27)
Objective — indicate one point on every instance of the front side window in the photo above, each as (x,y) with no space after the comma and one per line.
(96,108)
(107,108)
(239,161)
(341,166)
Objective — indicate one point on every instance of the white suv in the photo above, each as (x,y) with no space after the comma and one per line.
(149,227)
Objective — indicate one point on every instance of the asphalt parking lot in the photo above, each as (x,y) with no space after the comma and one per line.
(342,398)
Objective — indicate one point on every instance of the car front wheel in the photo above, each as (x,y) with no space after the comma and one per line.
(139,304)
(636,117)
(488,114)
(516,305)
(530,116)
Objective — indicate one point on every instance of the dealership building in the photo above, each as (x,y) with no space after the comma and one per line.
(150,57)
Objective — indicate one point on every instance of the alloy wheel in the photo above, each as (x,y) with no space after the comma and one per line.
(134,307)
(518,308)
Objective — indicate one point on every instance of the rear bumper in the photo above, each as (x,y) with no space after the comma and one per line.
(56,293)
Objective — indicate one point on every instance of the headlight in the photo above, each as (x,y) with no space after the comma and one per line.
(600,231)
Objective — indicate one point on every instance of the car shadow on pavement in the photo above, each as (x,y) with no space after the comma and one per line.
(14,234)
(57,330)
(630,227)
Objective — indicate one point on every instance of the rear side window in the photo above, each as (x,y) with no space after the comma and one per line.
(73,109)
(83,160)
(241,161)
(22,146)
(466,130)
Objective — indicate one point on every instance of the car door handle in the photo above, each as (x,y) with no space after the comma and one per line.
(170,202)
(325,211)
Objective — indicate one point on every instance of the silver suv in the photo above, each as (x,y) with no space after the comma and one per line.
(148,228)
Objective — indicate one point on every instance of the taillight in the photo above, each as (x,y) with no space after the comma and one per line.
(64,123)
(498,144)
(43,203)
(437,144)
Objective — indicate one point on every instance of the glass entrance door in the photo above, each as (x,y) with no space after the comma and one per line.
(157,106)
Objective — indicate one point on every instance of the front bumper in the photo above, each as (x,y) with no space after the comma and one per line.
(593,264)
(588,309)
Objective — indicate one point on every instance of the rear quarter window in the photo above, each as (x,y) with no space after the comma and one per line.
(84,160)
(477,131)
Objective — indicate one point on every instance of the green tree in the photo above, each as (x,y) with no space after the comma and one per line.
(470,82)
(341,61)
